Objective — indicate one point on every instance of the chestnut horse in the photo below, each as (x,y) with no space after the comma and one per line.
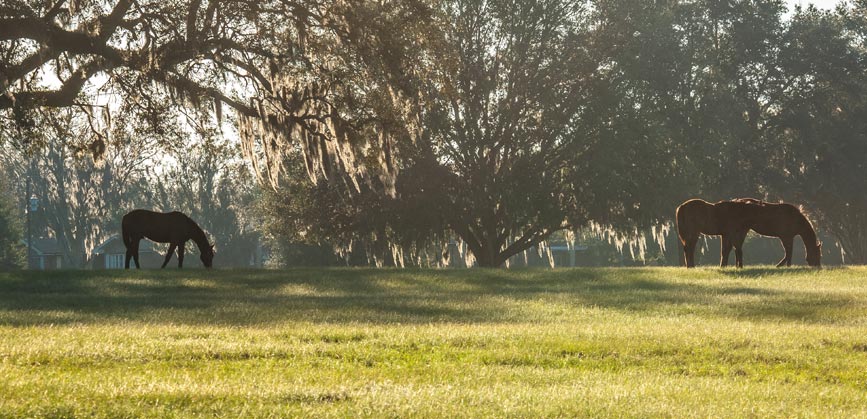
(174,228)
(733,219)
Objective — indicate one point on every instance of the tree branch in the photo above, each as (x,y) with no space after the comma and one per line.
(65,96)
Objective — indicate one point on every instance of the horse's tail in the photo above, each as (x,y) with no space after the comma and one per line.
(678,221)
(124,234)
(683,228)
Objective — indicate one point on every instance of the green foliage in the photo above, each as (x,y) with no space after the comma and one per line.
(210,182)
(748,103)
(541,116)
(822,132)
(654,342)
(82,197)
(494,122)
(514,140)
(502,159)
(12,253)
(703,78)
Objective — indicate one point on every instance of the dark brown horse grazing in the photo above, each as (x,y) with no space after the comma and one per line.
(174,228)
(733,219)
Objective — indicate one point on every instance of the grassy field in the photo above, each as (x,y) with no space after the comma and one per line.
(655,342)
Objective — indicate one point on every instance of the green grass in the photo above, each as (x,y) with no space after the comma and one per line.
(656,342)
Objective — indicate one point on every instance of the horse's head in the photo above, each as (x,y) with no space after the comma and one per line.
(208,256)
(814,254)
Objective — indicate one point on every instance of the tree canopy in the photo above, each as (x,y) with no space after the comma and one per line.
(291,72)
(495,122)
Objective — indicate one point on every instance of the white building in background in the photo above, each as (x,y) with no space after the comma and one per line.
(111,254)
(46,254)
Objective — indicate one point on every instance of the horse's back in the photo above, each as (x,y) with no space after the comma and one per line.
(695,216)
(765,218)
(780,219)
(143,214)
(692,206)
(136,213)
(133,225)
(140,217)
(749,201)
(157,226)
(135,217)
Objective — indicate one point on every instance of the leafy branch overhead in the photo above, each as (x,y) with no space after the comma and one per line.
(292,72)
(497,123)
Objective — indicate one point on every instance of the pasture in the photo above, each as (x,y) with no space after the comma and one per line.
(648,342)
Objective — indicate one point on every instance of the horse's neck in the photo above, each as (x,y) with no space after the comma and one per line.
(198,236)
(808,235)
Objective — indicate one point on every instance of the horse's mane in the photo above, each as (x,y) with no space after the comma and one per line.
(806,214)
(763,203)
(751,201)
(799,208)
(199,235)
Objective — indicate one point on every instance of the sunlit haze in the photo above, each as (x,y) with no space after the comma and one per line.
(822,4)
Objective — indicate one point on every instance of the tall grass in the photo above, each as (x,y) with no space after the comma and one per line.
(435,343)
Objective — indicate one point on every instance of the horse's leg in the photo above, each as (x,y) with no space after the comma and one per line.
(169,255)
(788,244)
(689,251)
(135,243)
(684,253)
(725,248)
(128,257)
(131,250)
(738,243)
(181,255)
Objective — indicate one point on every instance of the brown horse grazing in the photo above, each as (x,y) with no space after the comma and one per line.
(733,219)
(169,227)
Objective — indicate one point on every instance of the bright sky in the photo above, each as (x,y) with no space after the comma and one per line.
(822,4)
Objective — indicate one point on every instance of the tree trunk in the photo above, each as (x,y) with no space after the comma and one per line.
(849,226)
(855,246)
(494,252)
(488,257)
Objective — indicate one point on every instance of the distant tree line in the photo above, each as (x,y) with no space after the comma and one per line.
(544,116)
(395,127)
(81,199)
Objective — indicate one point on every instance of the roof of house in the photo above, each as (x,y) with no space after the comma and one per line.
(113,244)
(45,246)
(563,247)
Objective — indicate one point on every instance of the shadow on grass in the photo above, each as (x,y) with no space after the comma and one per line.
(760,272)
(260,297)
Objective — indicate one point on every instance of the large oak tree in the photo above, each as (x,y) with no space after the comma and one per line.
(292,72)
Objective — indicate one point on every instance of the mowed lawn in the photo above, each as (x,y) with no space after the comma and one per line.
(651,342)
